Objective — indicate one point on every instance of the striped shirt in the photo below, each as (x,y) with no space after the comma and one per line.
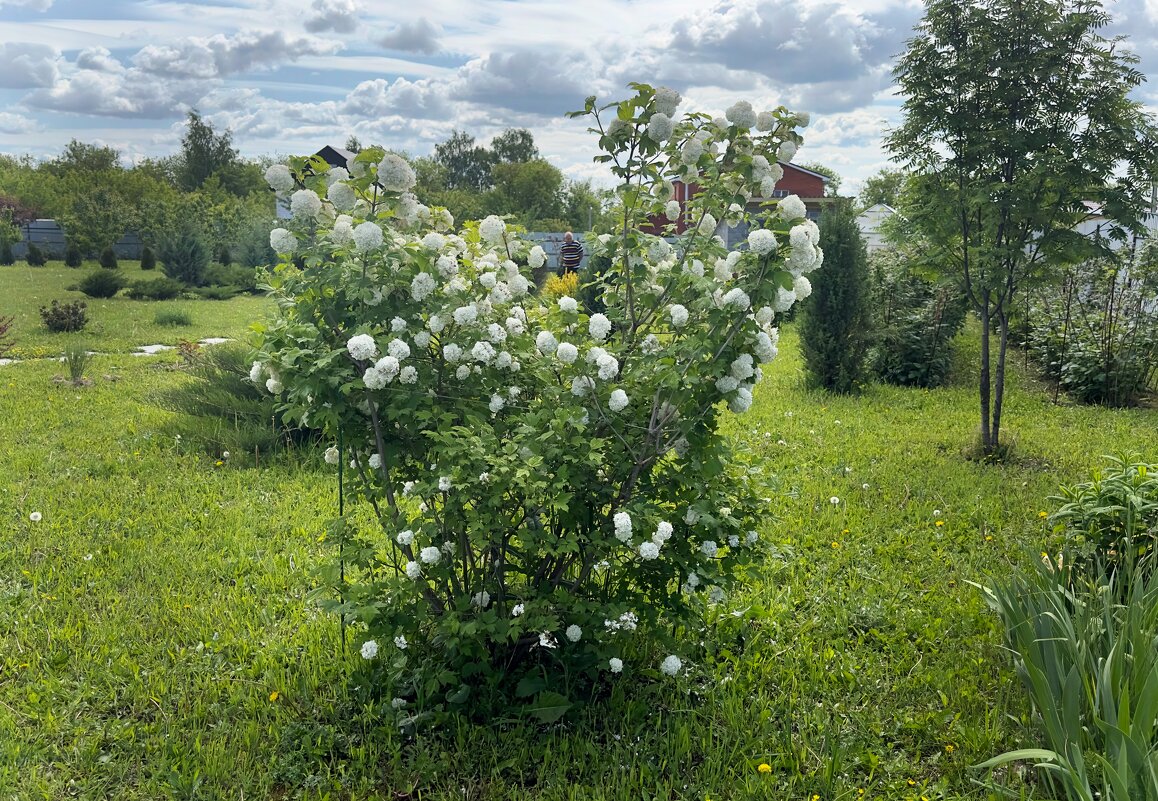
(570,254)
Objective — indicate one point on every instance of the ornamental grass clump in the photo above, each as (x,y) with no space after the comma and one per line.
(555,504)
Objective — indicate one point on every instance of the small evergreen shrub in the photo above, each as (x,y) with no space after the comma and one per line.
(7,257)
(148,258)
(35,256)
(224,257)
(102,283)
(916,320)
(64,317)
(217,292)
(109,259)
(184,257)
(160,288)
(173,317)
(72,256)
(5,342)
(835,329)
(252,247)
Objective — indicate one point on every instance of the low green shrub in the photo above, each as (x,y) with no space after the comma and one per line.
(102,283)
(220,409)
(217,292)
(35,256)
(245,278)
(252,248)
(148,258)
(73,257)
(64,317)
(77,358)
(173,317)
(109,259)
(223,256)
(159,288)
(7,257)
(184,257)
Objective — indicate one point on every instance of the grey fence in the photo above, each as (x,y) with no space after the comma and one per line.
(50,238)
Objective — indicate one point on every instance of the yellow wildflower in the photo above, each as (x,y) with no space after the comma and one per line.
(764,767)
(273,696)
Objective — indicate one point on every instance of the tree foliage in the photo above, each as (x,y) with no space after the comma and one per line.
(884,187)
(832,185)
(203,152)
(1017,112)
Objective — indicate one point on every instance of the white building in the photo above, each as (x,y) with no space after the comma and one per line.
(870,221)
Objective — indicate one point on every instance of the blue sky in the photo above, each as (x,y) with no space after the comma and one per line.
(288,76)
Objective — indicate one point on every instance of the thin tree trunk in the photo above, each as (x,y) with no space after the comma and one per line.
(999,384)
(986,441)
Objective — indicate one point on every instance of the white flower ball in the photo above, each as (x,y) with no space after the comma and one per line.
(792,208)
(492,229)
(568,304)
(648,551)
(679,315)
(666,100)
(671,665)
(672,209)
(362,347)
(405,537)
(413,570)
(395,175)
(546,343)
(574,633)
(279,178)
(660,127)
(408,374)
(332,455)
(742,115)
(421,287)
(618,401)
(762,241)
(802,287)
(567,353)
(765,121)
(282,241)
(599,327)
(305,204)
(342,196)
(786,151)
(536,258)
(367,237)
(369,649)
(615,665)
(273,386)
(434,241)
(430,555)
(622,526)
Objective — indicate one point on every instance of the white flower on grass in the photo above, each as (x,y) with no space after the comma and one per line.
(405,537)
(369,649)
(574,633)
(536,258)
(567,352)
(430,555)
(342,196)
(282,241)
(666,100)
(742,115)
(481,599)
(362,347)
(786,151)
(546,343)
(671,665)
(618,401)
(517,610)
(400,642)
(36,517)
(497,403)
(492,229)
(279,178)
(672,209)
(762,241)
(547,639)
(834,500)
(568,304)
(623,526)
(444,484)
(709,548)
(660,127)
(395,175)
(615,664)
(649,550)
(305,204)
(332,455)
(679,315)
(421,287)
(792,208)
(367,237)
(599,327)
(398,703)
(413,570)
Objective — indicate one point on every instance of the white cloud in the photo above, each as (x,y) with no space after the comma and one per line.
(340,16)
(98,59)
(26,66)
(381,98)
(31,5)
(419,36)
(131,93)
(16,123)
(526,81)
(223,55)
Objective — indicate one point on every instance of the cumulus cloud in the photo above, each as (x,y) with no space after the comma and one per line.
(526,81)
(98,59)
(419,36)
(415,99)
(26,66)
(340,16)
(222,55)
(127,94)
(16,123)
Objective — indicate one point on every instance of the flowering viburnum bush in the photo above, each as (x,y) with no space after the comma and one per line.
(552,497)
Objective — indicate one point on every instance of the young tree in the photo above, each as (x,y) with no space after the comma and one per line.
(468,166)
(203,152)
(1017,111)
(834,332)
(884,186)
(514,145)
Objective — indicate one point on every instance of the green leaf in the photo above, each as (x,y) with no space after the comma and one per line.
(549,707)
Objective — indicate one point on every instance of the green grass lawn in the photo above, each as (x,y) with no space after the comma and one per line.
(156,640)
(116,325)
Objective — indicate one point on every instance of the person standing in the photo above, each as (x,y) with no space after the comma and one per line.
(570,254)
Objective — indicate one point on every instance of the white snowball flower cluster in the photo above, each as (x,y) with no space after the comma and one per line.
(282,241)
(546,343)
(305,204)
(405,538)
(421,287)
(413,571)
(672,209)
(369,649)
(615,665)
(332,455)
(492,229)
(384,371)
(279,178)
(622,526)
(567,353)
(791,208)
(618,401)
(342,196)
(765,121)
(608,366)
(400,642)
(660,127)
(801,287)
(395,175)
(367,237)
(666,100)
(481,599)
(568,304)
(362,347)
(742,115)
(671,665)
(599,327)
(762,241)
(648,551)
(679,315)
(434,241)
(430,555)
(786,151)
(536,258)
(574,633)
